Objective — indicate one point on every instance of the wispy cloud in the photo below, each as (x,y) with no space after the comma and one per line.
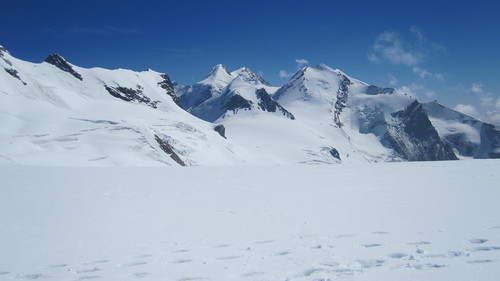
(389,47)
(301,62)
(476,88)
(409,50)
(467,109)
(284,74)
(425,74)
(486,106)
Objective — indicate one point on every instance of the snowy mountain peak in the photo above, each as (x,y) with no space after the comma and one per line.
(248,75)
(2,49)
(61,63)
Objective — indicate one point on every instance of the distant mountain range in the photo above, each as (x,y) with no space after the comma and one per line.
(56,113)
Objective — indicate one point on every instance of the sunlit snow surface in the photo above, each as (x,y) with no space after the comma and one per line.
(396,221)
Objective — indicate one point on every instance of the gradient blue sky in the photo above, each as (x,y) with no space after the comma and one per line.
(445,50)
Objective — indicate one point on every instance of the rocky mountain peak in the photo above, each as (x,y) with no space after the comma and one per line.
(61,63)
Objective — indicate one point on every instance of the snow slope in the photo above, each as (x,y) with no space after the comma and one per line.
(396,221)
(56,113)
(66,115)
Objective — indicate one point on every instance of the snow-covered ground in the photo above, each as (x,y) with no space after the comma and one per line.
(395,221)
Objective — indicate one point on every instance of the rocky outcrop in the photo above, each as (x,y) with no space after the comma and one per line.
(490,142)
(168,149)
(14,74)
(341,103)
(374,90)
(167,85)
(267,103)
(411,134)
(129,94)
(221,130)
(63,65)
(236,103)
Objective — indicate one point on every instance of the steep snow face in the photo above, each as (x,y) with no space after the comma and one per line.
(468,136)
(249,76)
(49,115)
(239,95)
(215,85)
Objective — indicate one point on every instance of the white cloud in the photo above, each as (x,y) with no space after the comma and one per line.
(284,74)
(393,81)
(476,88)
(467,109)
(430,94)
(301,62)
(419,34)
(424,74)
(388,46)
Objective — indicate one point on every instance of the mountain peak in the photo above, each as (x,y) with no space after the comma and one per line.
(2,49)
(217,70)
(219,75)
(248,75)
(61,63)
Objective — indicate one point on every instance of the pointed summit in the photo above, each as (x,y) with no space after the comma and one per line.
(218,77)
(248,75)
(2,49)
(61,63)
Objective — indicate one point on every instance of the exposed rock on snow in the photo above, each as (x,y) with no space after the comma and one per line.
(62,64)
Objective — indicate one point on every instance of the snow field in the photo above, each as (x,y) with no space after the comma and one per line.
(396,221)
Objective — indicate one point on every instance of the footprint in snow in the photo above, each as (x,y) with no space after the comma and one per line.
(31,276)
(397,255)
(141,274)
(370,263)
(379,233)
(478,241)
(88,270)
(182,261)
(371,245)
(131,264)
(480,261)
(265,242)
(97,262)
(222,246)
(419,243)
(311,271)
(486,249)
(57,265)
(228,258)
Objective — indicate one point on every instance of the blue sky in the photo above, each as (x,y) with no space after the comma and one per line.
(445,50)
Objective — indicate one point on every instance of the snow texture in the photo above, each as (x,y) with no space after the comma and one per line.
(396,221)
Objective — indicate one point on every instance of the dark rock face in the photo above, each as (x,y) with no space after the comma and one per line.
(490,142)
(374,90)
(266,103)
(129,94)
(412,135)
(63,65)
(14,74)
(221,130)
(167,85)
(335,153)
(236,103)
(168,149)
(488,145)
(341,103)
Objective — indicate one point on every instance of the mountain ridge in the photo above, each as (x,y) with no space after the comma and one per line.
(57,113)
